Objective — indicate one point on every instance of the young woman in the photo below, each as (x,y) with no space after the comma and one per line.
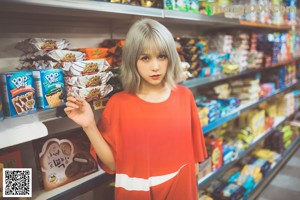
(149,135)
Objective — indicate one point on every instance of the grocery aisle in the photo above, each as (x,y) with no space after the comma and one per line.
(286,184)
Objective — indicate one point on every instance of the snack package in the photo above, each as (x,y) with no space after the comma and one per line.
(94,53)
(64,158)
(49,87)
(92,93)
(18,93)
(46,44)
(85,67)
(89,80)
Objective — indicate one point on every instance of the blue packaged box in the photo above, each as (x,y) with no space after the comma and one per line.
(18,93)
(49,84)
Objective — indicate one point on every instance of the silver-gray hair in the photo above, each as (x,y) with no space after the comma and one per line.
(144,35)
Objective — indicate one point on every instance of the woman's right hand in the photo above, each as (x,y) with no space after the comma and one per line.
(80,111)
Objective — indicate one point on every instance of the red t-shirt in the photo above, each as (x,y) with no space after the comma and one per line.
(155,145)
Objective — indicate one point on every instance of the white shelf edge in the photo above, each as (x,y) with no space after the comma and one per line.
(42,195)
(88,7)
(21,133)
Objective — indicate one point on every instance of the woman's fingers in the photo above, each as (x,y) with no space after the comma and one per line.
(78,101)
(68,110)
(72,104)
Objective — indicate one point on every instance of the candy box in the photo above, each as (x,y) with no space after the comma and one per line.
(18,93)
(64,158)
(49,84)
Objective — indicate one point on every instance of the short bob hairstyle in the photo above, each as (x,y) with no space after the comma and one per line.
(145,35)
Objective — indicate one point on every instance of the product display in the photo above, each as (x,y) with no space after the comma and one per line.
(242,72)
(64,159)
(18,93)
(49,84)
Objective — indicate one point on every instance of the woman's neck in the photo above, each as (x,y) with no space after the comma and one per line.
(154,94)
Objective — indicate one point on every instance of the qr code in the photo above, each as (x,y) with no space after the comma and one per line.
(17,182)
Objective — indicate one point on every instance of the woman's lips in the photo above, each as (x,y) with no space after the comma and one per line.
(155,77)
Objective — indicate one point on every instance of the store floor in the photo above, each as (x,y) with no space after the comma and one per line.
(286,184)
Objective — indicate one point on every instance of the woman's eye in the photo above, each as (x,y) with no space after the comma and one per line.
(162,57)
(144,58)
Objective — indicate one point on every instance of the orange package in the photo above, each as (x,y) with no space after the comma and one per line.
(94,53)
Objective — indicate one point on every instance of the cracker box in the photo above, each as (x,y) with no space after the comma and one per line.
(18,93)
(49,85)
(64,158)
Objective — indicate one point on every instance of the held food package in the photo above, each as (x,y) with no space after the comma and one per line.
(64,158)
(87,67)
(92,93)
(49,84)
(18,93)
(88,79)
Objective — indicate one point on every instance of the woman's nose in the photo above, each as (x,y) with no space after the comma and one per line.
(155,65)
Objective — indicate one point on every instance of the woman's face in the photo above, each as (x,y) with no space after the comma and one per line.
(152,67)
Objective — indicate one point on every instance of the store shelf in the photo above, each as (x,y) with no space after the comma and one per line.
(109,10)
(274,170)
(211,79)
(208,178)
(64,191)
(17,130)
(235,113)
(187,17)
(283,62)
(195,82)
(82,8)
(244,23)
(220,121)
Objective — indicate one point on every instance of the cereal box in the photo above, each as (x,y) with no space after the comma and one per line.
(18,93)
(64,158)
(49,85)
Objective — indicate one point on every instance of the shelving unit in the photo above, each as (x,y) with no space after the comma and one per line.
(274,169)
(12,134)
(268,26)
(209,177)
(62,192)
(235,113)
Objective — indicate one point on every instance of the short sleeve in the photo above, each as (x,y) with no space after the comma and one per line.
(200,152)
(107,132)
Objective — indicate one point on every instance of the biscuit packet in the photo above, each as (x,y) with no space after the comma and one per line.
(94,53)
(86,67)
(89,80)
(38,64)
(54,55)
(31,45)
(49,85)
(92,93)
(18,93)
(64,158)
